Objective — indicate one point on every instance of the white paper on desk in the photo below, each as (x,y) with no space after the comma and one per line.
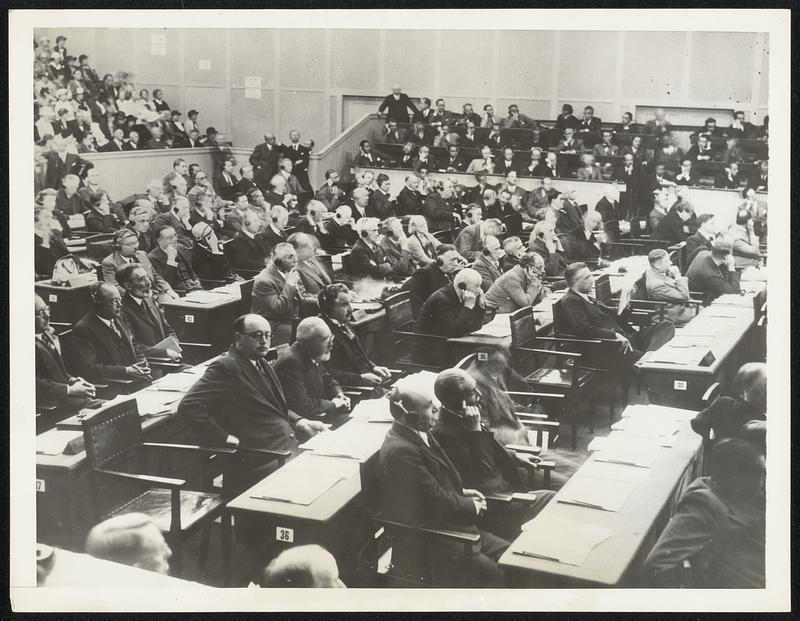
(754,273)
(625,293)
(169,343)
(205,297)
(566,541)
(499,327)
(718,308)
(660,412)
(175,382)
(231,289)
(153,403)
(604,494)
(54,441)
(635,451)
(614,472)
(682,356)
(284,485)
(646,427)
(372,410)
(353,441)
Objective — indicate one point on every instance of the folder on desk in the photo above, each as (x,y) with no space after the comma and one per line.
(560,540)
(636,452)
(595,493)
(498,327)
(614,472)
(169,343)
(283,485)
(175,382)
(658,412)
(372,410)
(681,355)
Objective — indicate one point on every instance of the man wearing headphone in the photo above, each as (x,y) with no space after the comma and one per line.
(487,263)
(208,260)
(367,257)
(395,247)
(178,219)
(469,239)
(454,310)
(249,249)
(434,276)
(276,292)
(419,485)
(125,250)
(340,228)
(520,286)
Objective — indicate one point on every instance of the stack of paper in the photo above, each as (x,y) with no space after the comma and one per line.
(595,493)
(354,441)
(55,441)
(283,485)
(614,472)
(559,540)
(646,427)
(658,412)
(372,410)
(498,327)
(154,403)
(206,297)
(689,356)
(175,382)
(635,452)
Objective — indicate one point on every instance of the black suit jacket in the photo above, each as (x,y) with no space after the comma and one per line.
(409,203)
(694,244)
(308,386)
(420,485)
(368,261)
(587,320)
(437,212)
(340,236)
(363,160)
(148,325)
(483,463)
(543,170)
(111,147)
(397,110)
(592,125)
(611,217)
(380,206)
(443,314)
(349,359)
(223,188)
(264,161)
(210,266)
(423,283)
(51,375)
(57,169)
(95,352)
(171,273)
(578,248)
(234,398)
(569,217)
(670,228)
(501,167)
(243,252)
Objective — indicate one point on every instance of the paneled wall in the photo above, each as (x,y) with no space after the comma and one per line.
(306,74)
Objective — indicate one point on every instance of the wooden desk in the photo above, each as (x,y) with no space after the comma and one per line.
(68,305)
(63,483)
(635,528)
(727,327)
(207,327)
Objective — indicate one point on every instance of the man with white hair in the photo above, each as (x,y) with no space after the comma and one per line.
(312,223)
(609,210)
(313,274)
(274,229)
(367,256)
(249,248)
(360,201)
(130,539)
(419,485)
(310,390)
(590,171)
(60,163)
(396,105)
(340,228)
(276,294)
(309,567)
(454,310)
(469,240)
(585,243)
(487,261)
(664,283)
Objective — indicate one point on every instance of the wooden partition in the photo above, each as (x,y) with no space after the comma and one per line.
(722,203)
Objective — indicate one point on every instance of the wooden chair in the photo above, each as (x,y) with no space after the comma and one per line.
(98,246)
(114,451)
(400,323)
(641,310)
(553,369)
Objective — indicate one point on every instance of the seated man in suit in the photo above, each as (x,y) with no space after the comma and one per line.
(585,318)
(760,180)
(605,147)
(143,316)
(409,201)
(380,205)
(488,261)
(340,229)
(225,181)
(313,223)
(544,242)
(103,346)
(569,144)
(396,248)
(713,272)
(686,176)
(329,193)
(469,239)
(349,361)
(130,539)
(727,416)
(367,257)
(454,310)
(208,260)
(608,207)
(540,198)
(276,292)
(701,152)
(54,385)
(125,250)
(519,287)
(313,274)
(719,524)
(310,390)
(589,171)
(701,239)
(482,462)
(250,248)
(731,178)
(367,158)
(664,284)
(585,243)
(570,214)
(173,262)
(589,122)
(454,162)
(485,163)
(433,276)
(420,485)
(239,402)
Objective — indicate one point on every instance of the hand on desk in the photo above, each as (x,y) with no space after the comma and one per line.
(382,372)
(371,378)
(139,370)
(311,427)
(342,402)
(477,498)
(79,387)
(174,355)
(625,343)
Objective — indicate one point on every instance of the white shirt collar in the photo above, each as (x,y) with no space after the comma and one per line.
(108,322)
(248,233)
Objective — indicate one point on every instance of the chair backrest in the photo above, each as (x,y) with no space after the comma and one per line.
(347,263)
(641,289)
(523,326)
(398,310)
(112,432)
(246,291)
(602,289)
(466,363)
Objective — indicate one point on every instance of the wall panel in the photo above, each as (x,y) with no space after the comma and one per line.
(212,106)
(303,111)
(521,70)
(354,61)
(714,51)
(205,45)
(762,65)
(114,51)
(302,58)
(638,78)
(251,118)
(466,64)
(535,109)
(409,61)
(252,52)
(157,68)
(588,61)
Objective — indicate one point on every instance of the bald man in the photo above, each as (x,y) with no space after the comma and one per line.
(488,261)
(586,242)
(309,566)
(454,310)
(102,343)
(396,105)
(420,485)
(131,539)
(310,390)
(523,285)
(239,402)
(728,416)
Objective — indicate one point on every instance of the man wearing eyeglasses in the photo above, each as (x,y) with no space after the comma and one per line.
(239,402)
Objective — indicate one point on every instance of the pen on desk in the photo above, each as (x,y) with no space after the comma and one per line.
(534,555)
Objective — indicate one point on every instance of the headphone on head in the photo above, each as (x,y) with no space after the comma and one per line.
(396,400)
(120,235)
(364,234)
(482,244)
(462,286)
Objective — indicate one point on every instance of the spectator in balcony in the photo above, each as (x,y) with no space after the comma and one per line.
(589,171)
(710,129)
(397,105)
(366,157)
(436,209)
(421,134)
(424,113)
(484,163)
(733,152)
(569,144)
(406,156)
(517,120)
(605,148)
(191,122)
(444,137)
(507,163)
(225,181)
(627,126)
(701,152)
(730,179)
(589,122)
(454,162)
(440,116)
(156,141)
(264,160)
(760,180)
(424,160)
(686,176)
(89,72)
(566,119)
(393,134)
(658,124)
(496,140)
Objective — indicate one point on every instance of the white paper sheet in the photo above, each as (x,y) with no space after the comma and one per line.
(54,441)
(558,539)
(658,412)
(169,342)
(596,493)
(614,472)
(372,410)
(284,485)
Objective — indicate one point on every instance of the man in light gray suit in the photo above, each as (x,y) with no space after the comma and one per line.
(664,283)
(469,239)
(276,293)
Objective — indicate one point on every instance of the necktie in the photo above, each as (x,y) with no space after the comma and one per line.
(48,342)
(115,329)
